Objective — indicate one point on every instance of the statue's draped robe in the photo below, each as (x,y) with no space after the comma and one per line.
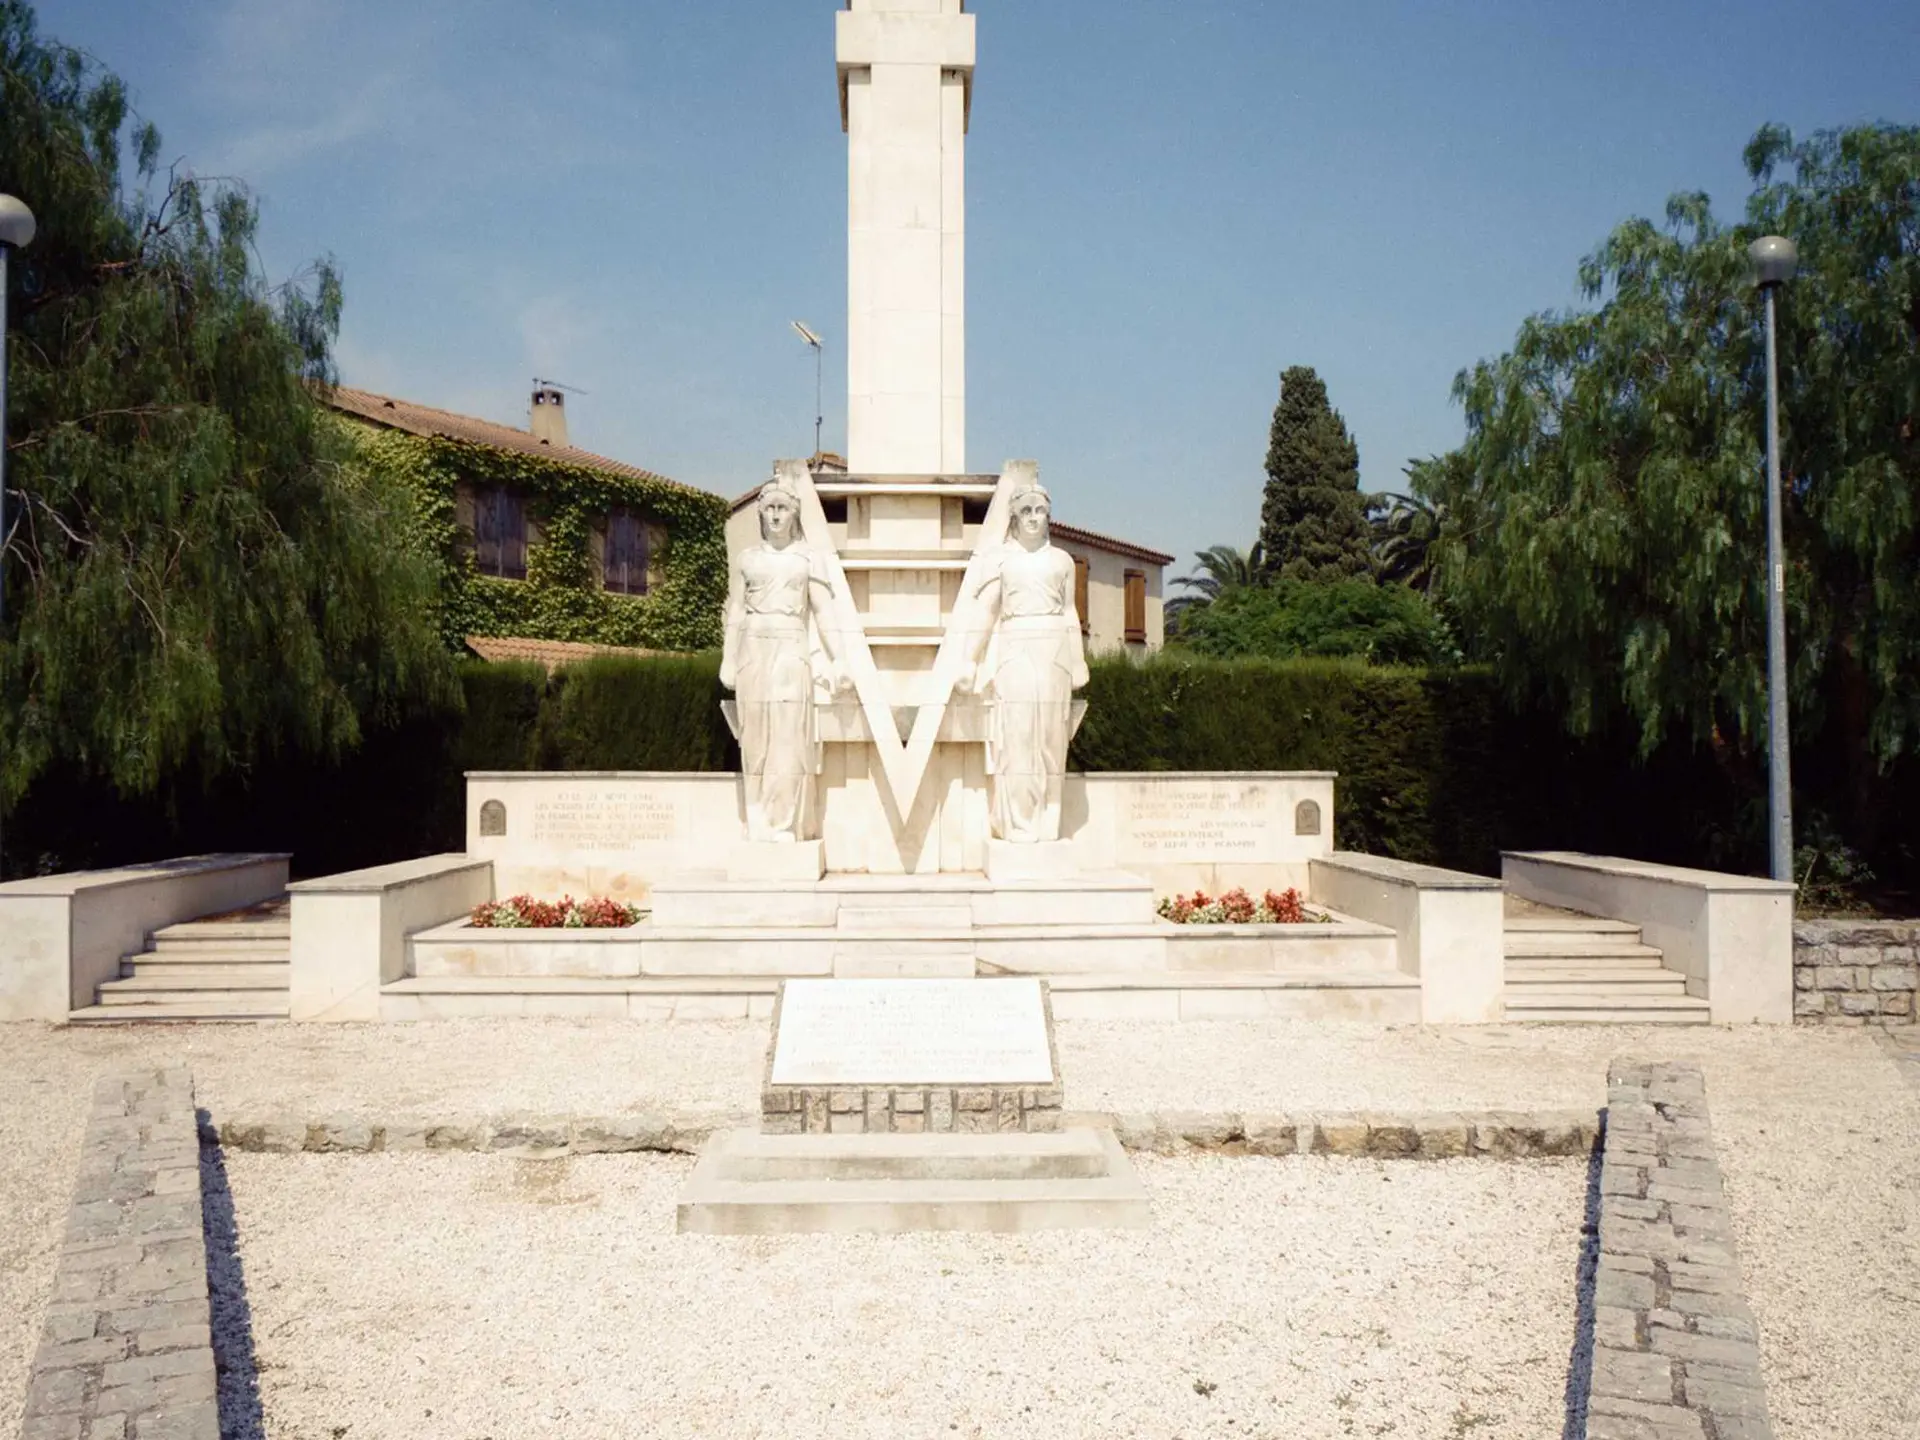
(1035,661)
(773,681)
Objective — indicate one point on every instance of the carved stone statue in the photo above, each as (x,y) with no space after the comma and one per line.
(1034,662)
(768,661)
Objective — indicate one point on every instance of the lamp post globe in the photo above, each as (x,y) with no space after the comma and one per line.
(1774,259)
(16,222)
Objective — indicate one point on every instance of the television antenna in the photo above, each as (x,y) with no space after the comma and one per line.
(819,349)
(556,385)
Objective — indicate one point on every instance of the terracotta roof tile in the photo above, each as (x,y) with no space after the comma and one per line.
(1107,542)
(550,653)
(416,419)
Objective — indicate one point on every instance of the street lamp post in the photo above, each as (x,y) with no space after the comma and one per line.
(16,230)
(1774,261)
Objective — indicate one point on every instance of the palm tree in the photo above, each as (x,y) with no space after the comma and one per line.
(1404,529)
(1222,568)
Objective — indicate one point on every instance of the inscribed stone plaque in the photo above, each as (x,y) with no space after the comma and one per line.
(493,818)
(584,819)
(912,1032)
(1306,818)
(1198,820)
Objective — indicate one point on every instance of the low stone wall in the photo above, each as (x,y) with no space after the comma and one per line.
(1675,1351)
(1380,1135)
(1856,972)
(127,1350)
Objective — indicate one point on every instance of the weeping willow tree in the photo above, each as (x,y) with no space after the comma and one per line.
(1605,534)
(198,579)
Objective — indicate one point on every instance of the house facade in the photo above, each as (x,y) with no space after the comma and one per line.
(540,539)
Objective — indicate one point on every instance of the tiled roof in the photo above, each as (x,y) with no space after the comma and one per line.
(550,653)
(426,420)
(1107,542)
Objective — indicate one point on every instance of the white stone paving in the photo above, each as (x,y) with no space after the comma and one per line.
(1819,1136)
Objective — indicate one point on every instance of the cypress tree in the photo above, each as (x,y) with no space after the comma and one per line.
(198,576)
(1313,521)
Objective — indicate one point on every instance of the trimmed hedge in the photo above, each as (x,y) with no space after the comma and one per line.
(1434,766)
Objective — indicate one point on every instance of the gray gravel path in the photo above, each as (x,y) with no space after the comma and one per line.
(1299,1298)
(1819,1136)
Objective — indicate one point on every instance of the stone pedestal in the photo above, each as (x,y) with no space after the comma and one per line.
(1044,860)
(759,860)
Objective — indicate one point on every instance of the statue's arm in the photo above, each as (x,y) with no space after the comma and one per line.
(1076,636)
(730,636)
(820,597)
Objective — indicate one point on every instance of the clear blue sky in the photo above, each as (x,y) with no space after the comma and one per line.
(1169,201)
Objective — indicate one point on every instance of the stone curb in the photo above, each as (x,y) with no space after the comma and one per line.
(1675,1348)
(127,1347)
(1383,1135)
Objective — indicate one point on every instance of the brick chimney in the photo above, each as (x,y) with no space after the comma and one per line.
(549,416)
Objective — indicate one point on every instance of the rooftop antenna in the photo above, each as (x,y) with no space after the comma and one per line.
(819,349)
(556,385)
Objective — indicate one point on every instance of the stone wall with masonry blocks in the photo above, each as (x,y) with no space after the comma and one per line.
(1856,972)
(127,1350)
(908,1109)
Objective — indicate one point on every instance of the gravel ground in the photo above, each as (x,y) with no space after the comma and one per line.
(1296,1298)
(1819,1137)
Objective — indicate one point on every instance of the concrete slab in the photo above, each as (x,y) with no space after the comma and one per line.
(747,1183)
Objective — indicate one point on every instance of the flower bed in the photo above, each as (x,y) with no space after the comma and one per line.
(1236,907)
(523,912)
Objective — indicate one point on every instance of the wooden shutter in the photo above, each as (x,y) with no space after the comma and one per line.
(1136,589)
(1080,591)
(625,567)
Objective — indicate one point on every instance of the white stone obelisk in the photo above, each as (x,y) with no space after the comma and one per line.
(906,82)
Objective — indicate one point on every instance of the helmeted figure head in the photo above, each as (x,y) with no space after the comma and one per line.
(779,512)
(1029,513)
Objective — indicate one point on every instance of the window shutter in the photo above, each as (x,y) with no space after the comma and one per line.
(1136,589)
(1080,592)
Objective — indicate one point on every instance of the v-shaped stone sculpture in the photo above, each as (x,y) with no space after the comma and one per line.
(904,760)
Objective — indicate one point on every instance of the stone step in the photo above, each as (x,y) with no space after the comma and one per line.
(1578,924)
(1668,985)
(893,957)
(140,990)
(1388,996)
(274,972)
(192,958)
(1059,1155)
(1651,981)
(274,927)
(1547,964)
(199,1009)
(889,917)
(1561,946)
(1609,1009)
(165,944)
(722,1198)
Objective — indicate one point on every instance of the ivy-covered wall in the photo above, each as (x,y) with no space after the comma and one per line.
(559,599)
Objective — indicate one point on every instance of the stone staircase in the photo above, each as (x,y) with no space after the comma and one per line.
(221,967)
(1563,966)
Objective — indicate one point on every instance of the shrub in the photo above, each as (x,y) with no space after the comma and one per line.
(1236,907)
(523,912)
(1345,619)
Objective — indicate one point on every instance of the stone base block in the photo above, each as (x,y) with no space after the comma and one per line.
(753,1184)
(910,1109)
(762,860)
(1043,860)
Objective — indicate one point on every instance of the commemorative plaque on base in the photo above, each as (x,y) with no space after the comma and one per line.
(911,1056)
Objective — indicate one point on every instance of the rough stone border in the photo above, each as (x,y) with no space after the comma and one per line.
(1676,1352)
(1497,1134)
(127,1349)
(1856,972)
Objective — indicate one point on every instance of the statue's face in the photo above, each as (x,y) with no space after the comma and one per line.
(777,517)
(1030,522)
